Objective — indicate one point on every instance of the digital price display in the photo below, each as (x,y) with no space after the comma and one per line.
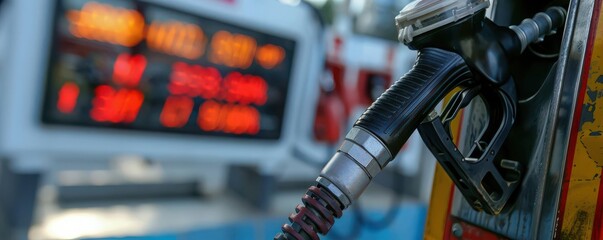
(135,65)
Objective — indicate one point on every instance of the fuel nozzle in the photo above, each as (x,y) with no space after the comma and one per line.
(458,47)
(481,174)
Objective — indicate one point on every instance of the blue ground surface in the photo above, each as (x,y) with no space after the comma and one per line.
(408,225)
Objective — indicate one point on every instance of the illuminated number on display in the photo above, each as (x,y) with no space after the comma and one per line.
(176,38)
(176,111)
(68,97)
(245,89)
(128,69)
(179,79)
(268,56)
(115,106)
(209,116)
(232,50)
(106,23)
(241,119)
(228,118)
(194,80)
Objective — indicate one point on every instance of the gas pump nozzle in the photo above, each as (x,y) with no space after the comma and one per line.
(458,47)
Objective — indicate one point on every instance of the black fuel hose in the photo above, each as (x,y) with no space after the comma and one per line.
(378,133)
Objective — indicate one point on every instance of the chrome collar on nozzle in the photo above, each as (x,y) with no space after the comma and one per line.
(422,16)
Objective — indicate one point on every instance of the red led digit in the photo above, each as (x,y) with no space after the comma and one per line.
(131,104)
(101,104)
(228,118)
(245,89)
(209,116)
(68,95)
(198,81)
(128,69)
(254,121)
(116,106)
(259,95)
(231,87)
(176,111)
(194,81)
(209,81)
(179,79)
(241,119)
(235,120)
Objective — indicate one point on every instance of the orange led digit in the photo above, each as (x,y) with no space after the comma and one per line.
(270,55)
(105,23)
(176,38)
(243,50)
(220,47)
(156,34)
(232,50)
(194,42)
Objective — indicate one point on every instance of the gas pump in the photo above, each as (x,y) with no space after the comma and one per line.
(458,47)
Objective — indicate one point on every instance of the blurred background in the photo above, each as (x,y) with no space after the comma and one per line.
(193,119)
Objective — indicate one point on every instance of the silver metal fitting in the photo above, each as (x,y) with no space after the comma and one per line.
(432,116)
(347,176)
(457,230)
(359,159)
(361,156)
(371,144)
(335,191)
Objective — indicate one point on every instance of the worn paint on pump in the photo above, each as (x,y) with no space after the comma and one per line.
(581,209)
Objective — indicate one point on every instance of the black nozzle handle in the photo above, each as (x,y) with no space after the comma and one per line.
(400,110)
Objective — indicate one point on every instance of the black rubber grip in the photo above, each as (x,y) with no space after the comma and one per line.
(400,110)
